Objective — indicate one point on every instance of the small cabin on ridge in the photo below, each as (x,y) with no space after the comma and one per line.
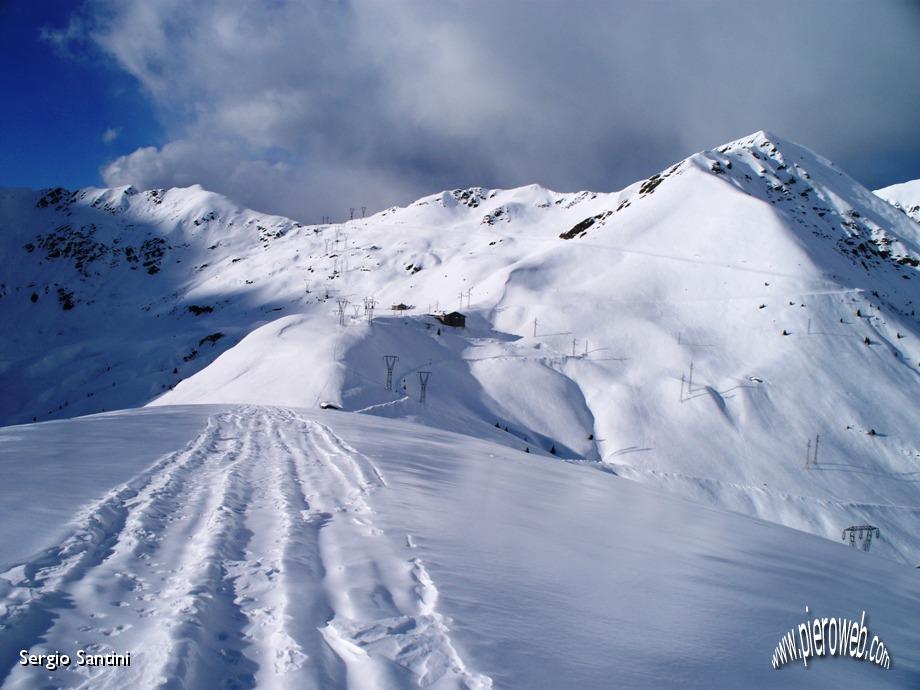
(454,318)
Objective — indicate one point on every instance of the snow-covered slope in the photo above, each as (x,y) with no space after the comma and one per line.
(739,330)
(788,289)
(288,548)
(760,265)
(905,196)
(109,296)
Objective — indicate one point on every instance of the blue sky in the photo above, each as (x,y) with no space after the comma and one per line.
(57,107)
(308,107)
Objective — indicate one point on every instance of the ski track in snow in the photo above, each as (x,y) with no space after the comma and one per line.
(247,559)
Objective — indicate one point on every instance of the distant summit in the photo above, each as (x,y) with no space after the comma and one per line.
(698,328)
(905,196)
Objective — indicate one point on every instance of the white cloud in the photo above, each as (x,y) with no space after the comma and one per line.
(299,191)
(299,106)
(110,135)
(62,39)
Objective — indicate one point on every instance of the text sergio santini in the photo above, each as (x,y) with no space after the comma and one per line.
(83,658)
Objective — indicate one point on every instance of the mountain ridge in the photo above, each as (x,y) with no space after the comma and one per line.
(904,196)
(693,330)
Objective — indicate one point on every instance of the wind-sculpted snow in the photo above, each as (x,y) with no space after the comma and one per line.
(787,288)
(249,558)
(288,548)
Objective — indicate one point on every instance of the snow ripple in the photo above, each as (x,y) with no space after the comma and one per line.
(249,558)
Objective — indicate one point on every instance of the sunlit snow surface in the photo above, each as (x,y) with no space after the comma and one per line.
(906,196)
(341,550)
(692,337)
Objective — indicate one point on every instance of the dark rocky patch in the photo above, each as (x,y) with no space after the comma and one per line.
(469,197)
(580,229)
(56,197)
(213,338)
(65,298)
(78,244)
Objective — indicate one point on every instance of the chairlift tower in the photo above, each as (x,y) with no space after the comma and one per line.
(342,303)
(390,361)
(811,457)
(861,533)
(369,304)
(423,377)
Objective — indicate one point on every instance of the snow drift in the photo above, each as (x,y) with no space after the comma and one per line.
(739,329)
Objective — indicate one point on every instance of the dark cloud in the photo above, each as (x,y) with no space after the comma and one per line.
(308,108)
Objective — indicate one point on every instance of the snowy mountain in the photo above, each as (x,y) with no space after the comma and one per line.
(787,286)
(106,281)
(739,329)
(905,196)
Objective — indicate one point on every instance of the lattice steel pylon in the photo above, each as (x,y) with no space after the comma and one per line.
(423,377)
(390,362)
(369,304)
(342,302)
(864,532)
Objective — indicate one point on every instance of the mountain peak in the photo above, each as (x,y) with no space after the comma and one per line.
(762,264)
(904,196)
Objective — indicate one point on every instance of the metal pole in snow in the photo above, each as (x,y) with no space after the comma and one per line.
(390,361)
(423,381)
